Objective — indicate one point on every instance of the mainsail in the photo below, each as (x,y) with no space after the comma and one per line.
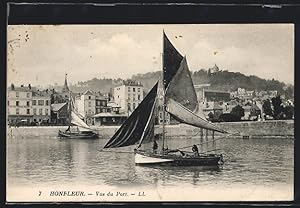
(139,126)
(74,116)
(171,60)
(180,95)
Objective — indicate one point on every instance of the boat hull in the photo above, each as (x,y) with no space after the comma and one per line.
(148,159)
(77,135)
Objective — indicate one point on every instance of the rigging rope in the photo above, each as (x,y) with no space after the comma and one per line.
(207,141)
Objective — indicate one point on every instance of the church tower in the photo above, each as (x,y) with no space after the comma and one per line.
(65,88)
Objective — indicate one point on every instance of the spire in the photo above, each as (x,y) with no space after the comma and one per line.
(65,88)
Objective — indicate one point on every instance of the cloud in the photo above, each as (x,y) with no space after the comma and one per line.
(88,51)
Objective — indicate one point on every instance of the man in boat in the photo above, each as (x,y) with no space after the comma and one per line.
(195,150)
(68,129)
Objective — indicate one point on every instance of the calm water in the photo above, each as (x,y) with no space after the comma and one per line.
(45,160)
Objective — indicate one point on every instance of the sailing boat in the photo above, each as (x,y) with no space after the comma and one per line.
(83,131)
(180,101)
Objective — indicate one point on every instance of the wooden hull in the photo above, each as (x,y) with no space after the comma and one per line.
(144,158)
(78,135)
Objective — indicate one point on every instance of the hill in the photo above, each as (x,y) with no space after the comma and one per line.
(219,80)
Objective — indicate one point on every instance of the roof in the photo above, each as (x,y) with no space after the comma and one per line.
(22,89)
(88,92)
(113,105)
(42,93)
(57,106)
(215,91)
(101,115)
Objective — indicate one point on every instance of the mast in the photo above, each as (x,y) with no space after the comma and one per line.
(164,98)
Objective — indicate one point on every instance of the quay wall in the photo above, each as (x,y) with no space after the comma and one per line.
(258,129)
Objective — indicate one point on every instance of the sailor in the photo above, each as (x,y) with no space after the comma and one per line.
(195,150)
(68,130)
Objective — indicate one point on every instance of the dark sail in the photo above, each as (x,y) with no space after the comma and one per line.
(171,60)
(138,126)
(181,87)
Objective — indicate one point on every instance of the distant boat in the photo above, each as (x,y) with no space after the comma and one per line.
(179,100)
(82,130)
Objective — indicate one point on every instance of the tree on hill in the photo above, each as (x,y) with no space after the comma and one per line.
(267,108)
(238,111)
(288,111)
(278,108)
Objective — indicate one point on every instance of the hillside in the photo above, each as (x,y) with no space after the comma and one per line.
(220,80)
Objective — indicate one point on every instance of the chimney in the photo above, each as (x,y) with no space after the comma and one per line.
(12,86)
(29,86)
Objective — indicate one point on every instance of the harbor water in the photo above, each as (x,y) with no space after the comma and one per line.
(254,169)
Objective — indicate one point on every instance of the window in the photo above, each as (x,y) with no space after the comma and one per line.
(138,89)
(128,89)
(139,97)
(89,97)
(17,103)
(90,111)
(47,102)
(34,111)
(98,102)
(27,103)
(17,111)
(17,94)
(46,111)
(90,104)
(8,102)
(41,111)
(133,98)
(40,102)
(129,107)
(133,106)
(33,102)
(28,111)
(28,94)
(104,119)
(133,89)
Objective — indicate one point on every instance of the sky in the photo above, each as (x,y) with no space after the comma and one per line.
(42,54)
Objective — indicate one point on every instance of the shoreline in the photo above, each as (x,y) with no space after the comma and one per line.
(247,130)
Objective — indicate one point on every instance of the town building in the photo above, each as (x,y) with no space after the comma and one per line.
(128,95)
(59,114)
(41,106)
(19,104)
(110,118)
(86,106)
(101,104)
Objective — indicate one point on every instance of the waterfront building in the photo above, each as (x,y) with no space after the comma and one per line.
(59,113)
(215,96)
(109,118)
(19,104)
(114,107)
(128,95)
(41,106)
(86,106)
(101,104)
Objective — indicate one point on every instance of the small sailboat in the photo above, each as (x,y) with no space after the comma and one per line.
(82,130)
(179,100)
